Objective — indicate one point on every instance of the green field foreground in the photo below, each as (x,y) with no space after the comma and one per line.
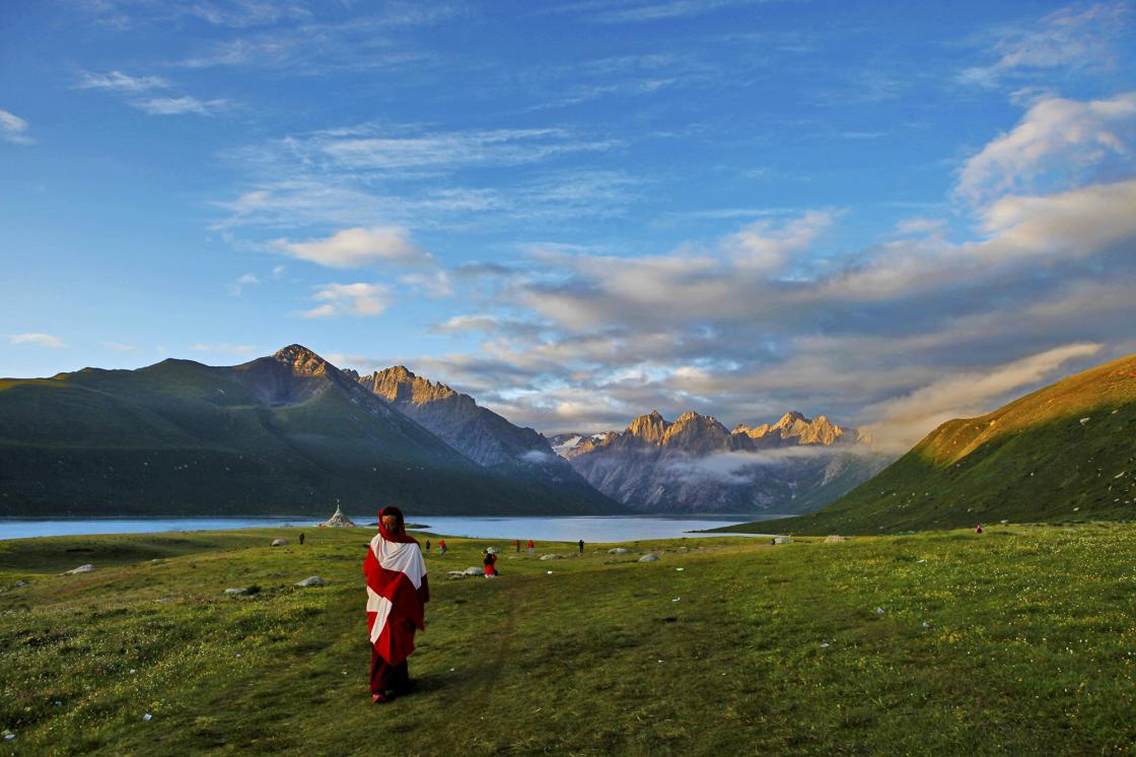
(1020,640)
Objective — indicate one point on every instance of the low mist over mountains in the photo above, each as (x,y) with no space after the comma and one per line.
(696,464)
(289,433)
(1066,452)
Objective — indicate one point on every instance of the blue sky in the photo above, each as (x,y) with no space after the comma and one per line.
(579,211)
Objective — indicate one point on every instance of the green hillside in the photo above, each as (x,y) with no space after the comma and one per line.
(1066,452)
(179,437)
(1016,642)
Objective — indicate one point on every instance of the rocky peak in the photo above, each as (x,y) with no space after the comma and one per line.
(649,428)
(795,427)
(399,384)
(791,418)
(302,360)
(692,430)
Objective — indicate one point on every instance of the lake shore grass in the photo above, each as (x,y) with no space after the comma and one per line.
(1021,640)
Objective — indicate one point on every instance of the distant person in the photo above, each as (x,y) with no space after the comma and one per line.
(489,563)
(397,593)
(442,547)
(301,538)
(532,546)
(581,543)
(517,544)
(427,550)
(978,529)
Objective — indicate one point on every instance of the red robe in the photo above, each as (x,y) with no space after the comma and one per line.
(397,590)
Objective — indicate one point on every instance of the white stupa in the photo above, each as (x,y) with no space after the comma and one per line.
(339,520)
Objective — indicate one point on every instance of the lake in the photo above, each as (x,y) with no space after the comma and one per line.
(566,528)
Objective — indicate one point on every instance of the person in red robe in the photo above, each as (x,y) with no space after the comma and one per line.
(397,593)
(489,563)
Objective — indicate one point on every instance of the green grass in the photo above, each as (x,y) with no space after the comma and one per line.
(1065,453)
(1020,640)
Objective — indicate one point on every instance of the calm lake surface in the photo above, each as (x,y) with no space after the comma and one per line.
(567,528)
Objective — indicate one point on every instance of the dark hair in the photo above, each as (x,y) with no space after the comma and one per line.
(391,510)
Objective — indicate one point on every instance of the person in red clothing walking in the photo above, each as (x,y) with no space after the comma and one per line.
(442,547)
(532,546)
(397,592)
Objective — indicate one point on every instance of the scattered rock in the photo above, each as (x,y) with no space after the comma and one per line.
(834,538)
(312,581)
(280,542)
(238,591)
(618,551)
(880,611)
(1083,421)
(456,574)
(552,557)
(147,717)
(81,569)
(472,571)
(782,539)
(649,557)
(20,584)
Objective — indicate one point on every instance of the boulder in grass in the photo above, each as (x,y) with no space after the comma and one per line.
(782,539)
(552,557)
(650,557)
(280,542)
(81,569)
(834,538)
(456,574)
(312,581)
(471,571)
(237,592)
(618,551)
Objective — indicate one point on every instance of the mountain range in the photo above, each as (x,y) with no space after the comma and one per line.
(1066,452)
(288,433)
(696,464)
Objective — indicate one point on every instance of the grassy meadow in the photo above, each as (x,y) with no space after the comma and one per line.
(1021,640)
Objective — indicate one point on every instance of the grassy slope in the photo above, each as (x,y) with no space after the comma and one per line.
(182,438)
(1027,648)
(1031,460)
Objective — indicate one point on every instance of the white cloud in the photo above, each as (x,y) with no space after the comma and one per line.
(904,420)
(116,81)
(435,283)
(1073,224)
(1055,136)
(465,323)
(357,247)
(1074,37)
(178,106)
(245,280)
(37,339)
(359,299)
(763,246)
(14,129)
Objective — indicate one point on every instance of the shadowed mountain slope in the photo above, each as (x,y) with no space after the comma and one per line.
(289,433)
(521,454)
